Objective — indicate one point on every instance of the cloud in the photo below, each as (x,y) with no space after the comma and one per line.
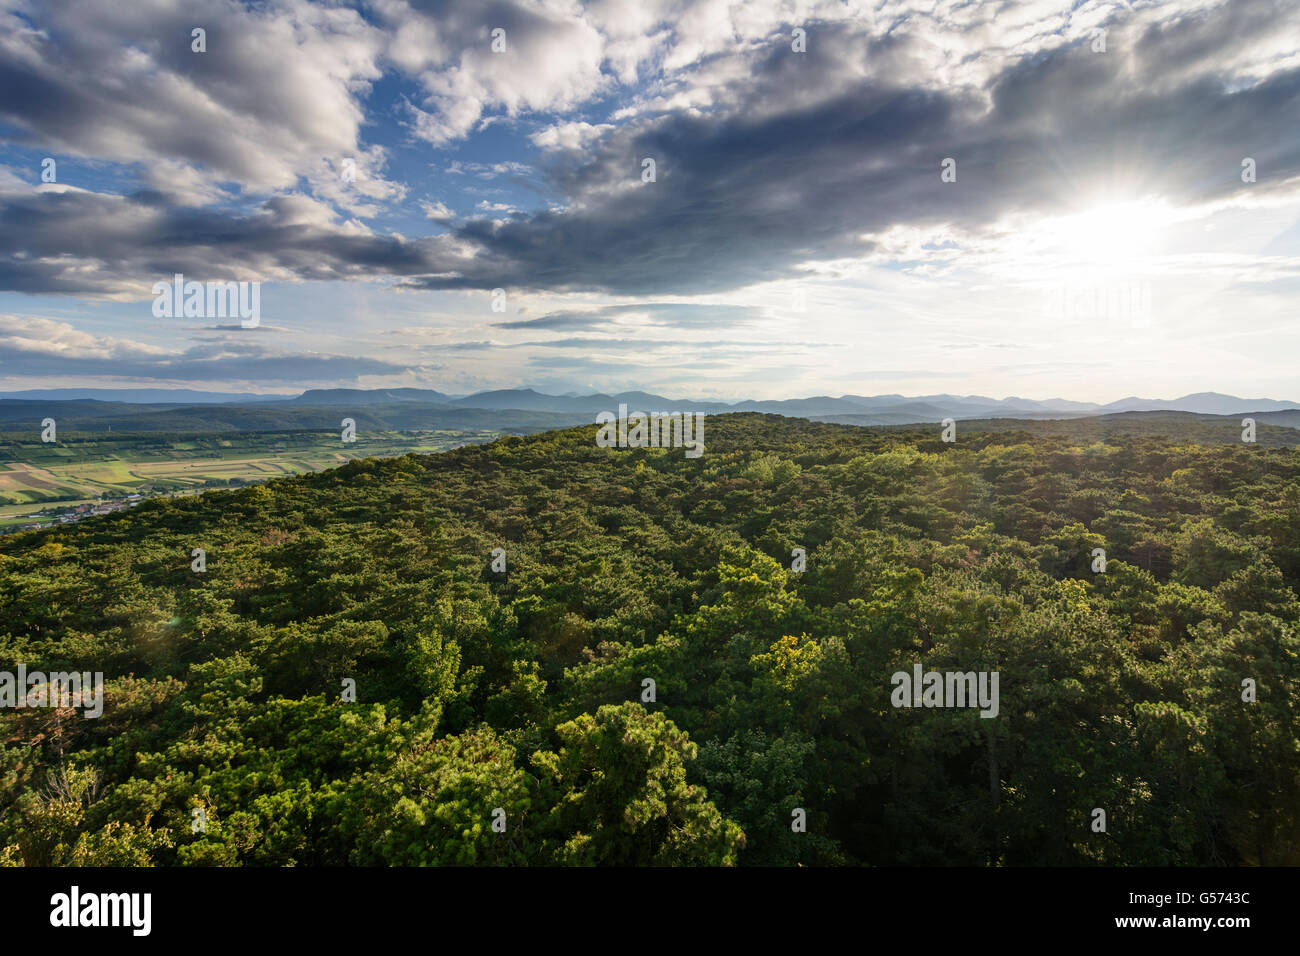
(488,170)
(240,329)
(35,347)
(680,347)
(770,163)
(551,60)
(30,339)
(437,212)
(275,92)
(108,246)
(557,321)
(668,314)
(752,192)
(714,347)
(572,136)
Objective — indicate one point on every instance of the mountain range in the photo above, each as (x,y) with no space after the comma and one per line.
(527,409)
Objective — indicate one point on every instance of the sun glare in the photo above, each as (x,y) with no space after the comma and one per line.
(1111,235)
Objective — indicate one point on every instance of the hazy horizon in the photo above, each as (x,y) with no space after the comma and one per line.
(553,391)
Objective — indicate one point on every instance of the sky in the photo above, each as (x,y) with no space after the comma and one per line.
(1080,200)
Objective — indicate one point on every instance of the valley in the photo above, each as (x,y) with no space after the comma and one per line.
(41,483)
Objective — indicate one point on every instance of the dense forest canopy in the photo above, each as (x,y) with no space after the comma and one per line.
(503,717)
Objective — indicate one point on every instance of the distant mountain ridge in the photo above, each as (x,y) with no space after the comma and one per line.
(367,396)
(168,396)
(526,409)
(1204,403)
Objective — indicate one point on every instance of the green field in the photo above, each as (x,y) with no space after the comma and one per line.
(81,469)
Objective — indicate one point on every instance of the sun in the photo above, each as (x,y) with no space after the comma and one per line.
(1111,236)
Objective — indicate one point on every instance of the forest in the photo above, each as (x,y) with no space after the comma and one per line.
(542,652)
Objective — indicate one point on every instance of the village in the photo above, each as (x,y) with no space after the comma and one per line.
(70,514)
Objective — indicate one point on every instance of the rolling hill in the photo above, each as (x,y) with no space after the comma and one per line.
(527,410)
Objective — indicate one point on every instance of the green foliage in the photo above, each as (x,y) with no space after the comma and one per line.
(520,698)
(618,795)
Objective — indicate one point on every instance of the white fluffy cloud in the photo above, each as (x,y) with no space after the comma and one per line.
(26,337)
(573,135)
(275,91)
(551,60)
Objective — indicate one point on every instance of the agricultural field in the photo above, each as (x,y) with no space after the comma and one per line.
(38,478)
